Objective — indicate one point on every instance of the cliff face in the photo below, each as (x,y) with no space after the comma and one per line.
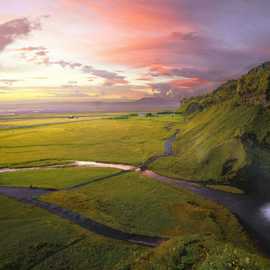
(252,88)
(225,135)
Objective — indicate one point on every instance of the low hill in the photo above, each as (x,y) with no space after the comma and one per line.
(225,135)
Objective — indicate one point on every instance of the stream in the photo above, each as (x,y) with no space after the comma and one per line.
(253,213)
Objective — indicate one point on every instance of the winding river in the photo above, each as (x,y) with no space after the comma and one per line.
(253,213)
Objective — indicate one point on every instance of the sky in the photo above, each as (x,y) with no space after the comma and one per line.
(118,50)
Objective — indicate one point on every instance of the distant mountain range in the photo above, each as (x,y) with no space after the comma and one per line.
(145,104)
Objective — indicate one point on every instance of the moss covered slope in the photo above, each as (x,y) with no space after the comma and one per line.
(225,135)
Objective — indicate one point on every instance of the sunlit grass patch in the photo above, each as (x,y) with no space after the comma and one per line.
(134,203)
(128,141)
(54,178)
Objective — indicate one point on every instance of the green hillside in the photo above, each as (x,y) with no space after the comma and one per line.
(200,253)
(225,135)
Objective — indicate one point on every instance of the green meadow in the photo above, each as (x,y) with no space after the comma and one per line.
(215,146)
(128,140)
(56,178)
(137,204)
(32,238)
(200,253)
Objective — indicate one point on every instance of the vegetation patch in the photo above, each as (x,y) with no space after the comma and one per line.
(227,188)
(137,204)
(32,238)
(130,141)
(227,140)
(198,253)
(54,178)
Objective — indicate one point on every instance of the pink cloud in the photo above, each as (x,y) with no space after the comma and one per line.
(111,78)
(164,48)
(115,81)
(12,30)
(179,88)
(188,83)
(140,15)
(30,49)
(40,55)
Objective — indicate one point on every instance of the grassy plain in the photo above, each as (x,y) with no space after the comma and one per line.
(54,178)
(36,120)
(137,204)
(31,238)
(201,232)
(131,140)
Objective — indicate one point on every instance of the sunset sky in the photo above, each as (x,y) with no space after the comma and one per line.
(125,50)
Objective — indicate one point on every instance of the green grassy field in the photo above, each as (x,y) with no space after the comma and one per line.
(200,253)
(137,204)
(131,140)
(208,236)
(201,231)
(54,178)
(32,238)
(35,239)
(36,120)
